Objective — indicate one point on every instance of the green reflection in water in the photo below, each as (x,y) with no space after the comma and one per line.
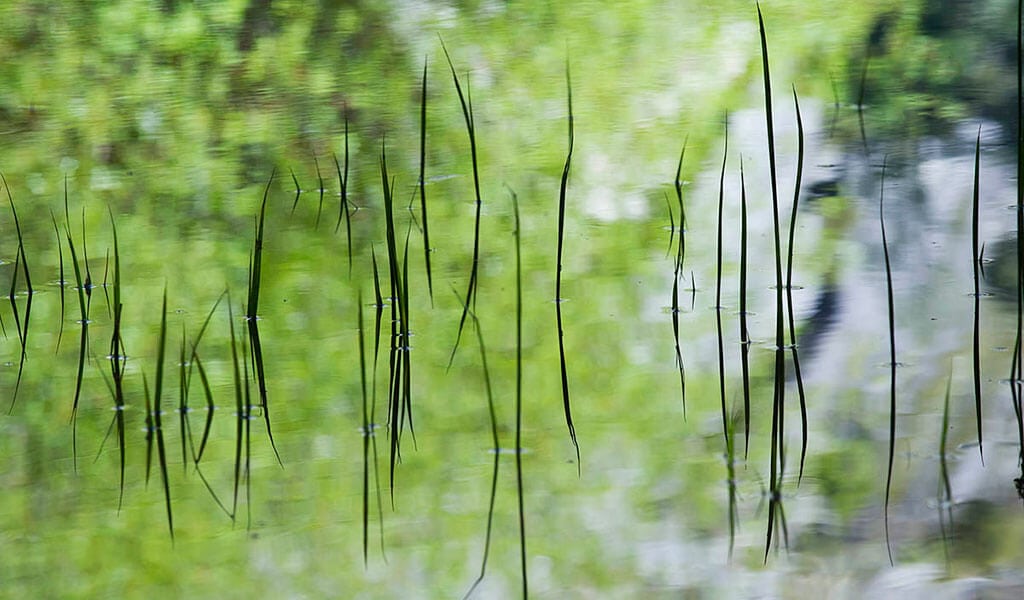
(174,116)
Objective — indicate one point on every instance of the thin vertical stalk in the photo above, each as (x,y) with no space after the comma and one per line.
(789,287)
(558,275)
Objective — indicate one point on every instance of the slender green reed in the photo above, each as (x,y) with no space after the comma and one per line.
(83,343)
(29,292)
(976,264)
(197,455)
(778,404)
(558,274)
(677,274)
(423,182)
(496,451)
(744,332)
(60,284)
(298,191)
(789,286)
(378,316)
(519,396)
(118,356)
(1016,368)
(718,286)
(183,408)
(343,209)
(892,359)
(241,410)
(467,112)
(396,398)
(158,411)
(252,318)
(320,206)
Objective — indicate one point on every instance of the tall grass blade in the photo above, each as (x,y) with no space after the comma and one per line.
(466,101)
(1016,368)
(61,284)
(158,411)
(789,287)
(343,210)
(496,451)
(240,410)
(395,399)
(320,206)
(744,332)
(677,274)
(23,330)
(519,396)
(892,359)
(117,351)
(558,274)
(252,318)
(976,264)
(718,287)
(197,455)
(423,182)
(298,192)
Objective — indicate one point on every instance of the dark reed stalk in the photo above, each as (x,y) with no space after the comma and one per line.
(519,396)
(82,349)
(29,292)
(103,284)
(789,287)
(60,284)
(467,112)
(976,264)
(778,410)
(379,314)
(252,318)
(197,455)
(117,351)
(247,421)
(157,412)
(744,332)
(298,192)
(678,185)
(406,347)
(892,358)
(395,399)
(320,206)
(496,450)
(718,287)
(1016,367)
(240,410)
(85,259)
(945,499)
(343,212)
(423,182)
(558,274)
(150,427)
(677,274)
(183,409)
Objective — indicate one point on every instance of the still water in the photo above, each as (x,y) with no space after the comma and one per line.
(168,120)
